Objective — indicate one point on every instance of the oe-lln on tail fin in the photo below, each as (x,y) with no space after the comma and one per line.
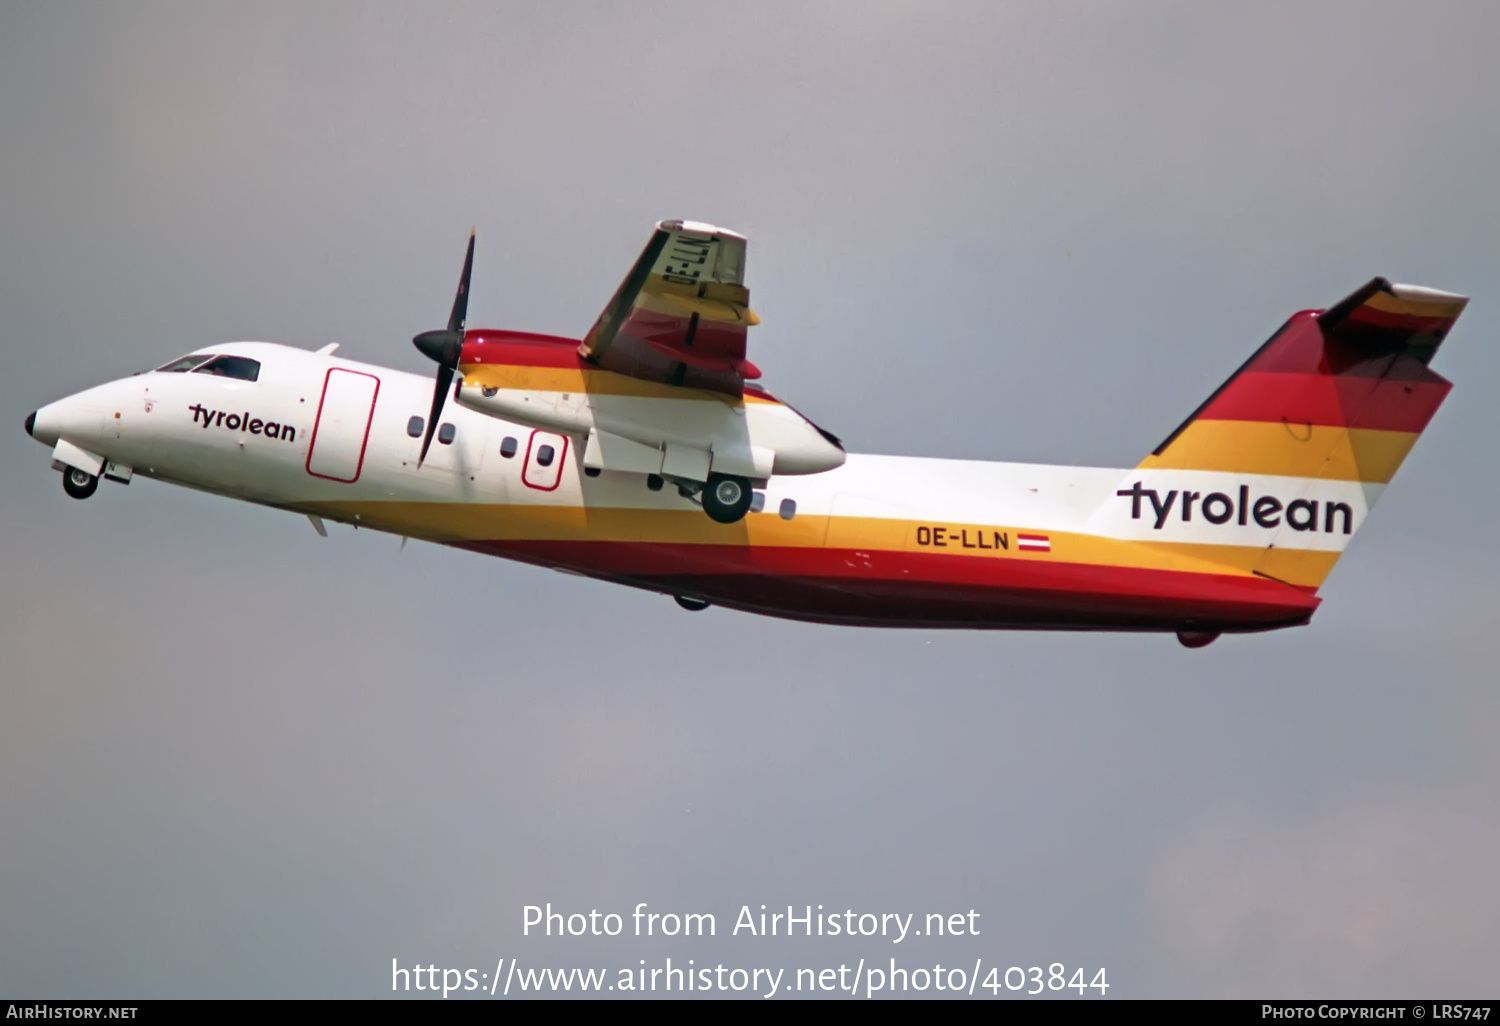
(1276,471)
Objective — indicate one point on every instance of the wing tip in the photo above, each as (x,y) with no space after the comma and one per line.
(1425,294)
(697,228)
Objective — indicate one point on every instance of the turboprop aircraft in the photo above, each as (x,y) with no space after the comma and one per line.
(647,454)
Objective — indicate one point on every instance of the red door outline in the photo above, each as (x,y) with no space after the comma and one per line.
(559,459)
(363,442)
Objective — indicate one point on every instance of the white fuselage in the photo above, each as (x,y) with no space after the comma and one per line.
(879,540)
(176,427)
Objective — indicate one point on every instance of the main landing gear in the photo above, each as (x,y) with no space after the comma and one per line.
(79,483)
(726,498)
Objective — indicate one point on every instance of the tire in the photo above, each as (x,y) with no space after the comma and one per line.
(726,498)
(692,605)
(79,483)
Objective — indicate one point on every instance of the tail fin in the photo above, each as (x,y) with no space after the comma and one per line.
(1277,470)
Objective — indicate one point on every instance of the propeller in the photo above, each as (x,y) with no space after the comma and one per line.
(444,347)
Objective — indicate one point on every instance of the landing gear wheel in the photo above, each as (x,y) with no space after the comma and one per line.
(727,499)
(692,605)
(79,483)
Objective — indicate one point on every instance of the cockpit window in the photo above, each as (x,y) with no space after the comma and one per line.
(239,367)
(185,363)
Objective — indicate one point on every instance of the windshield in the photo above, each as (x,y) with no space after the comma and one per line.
(185,363)
(240,367)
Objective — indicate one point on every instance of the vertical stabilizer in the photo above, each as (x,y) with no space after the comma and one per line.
(1277,470)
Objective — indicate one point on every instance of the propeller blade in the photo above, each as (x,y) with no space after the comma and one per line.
(461,299)
(444,379)
(445,348)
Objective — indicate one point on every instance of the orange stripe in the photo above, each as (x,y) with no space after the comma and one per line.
(1289,450)
(1389,303)
(592,382)
(449,522)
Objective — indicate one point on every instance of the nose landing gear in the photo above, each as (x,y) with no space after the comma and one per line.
(80,484)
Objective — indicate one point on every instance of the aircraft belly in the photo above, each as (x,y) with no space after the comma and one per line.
(847,557)
(924,590)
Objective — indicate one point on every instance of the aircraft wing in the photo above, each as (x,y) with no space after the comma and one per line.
(681,315)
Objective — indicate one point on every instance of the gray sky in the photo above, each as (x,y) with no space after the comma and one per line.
(237,759)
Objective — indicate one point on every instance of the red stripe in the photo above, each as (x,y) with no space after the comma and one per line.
(1368,315)
(1297,350)
(859,603)
(715,345)
(922,589)
(1302,378)
(520,348)
(1383,404)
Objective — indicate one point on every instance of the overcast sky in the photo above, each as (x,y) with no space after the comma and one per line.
(239,759)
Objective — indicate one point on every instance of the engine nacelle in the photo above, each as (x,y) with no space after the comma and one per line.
(689,437)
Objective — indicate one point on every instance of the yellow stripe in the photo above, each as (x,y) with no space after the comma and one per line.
(879,534)
(459,522)
(1290,450)
(560,379)
(685,306)
(1387,303)
(1307,568)
(592,382)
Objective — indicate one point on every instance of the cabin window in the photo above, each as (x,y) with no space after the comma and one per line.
(414,427)
(757,502)
(446,433)
(241,368)
(544,455)
(508,447)
(185,364)
(788,508)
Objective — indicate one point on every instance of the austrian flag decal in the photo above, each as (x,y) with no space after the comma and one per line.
(1034,542)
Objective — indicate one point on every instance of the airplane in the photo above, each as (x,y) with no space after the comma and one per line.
(648,454)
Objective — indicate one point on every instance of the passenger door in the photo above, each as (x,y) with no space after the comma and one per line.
(342,430)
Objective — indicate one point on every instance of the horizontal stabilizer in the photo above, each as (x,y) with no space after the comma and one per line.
(1381,317)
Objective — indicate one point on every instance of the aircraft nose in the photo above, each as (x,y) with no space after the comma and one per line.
(77,418)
